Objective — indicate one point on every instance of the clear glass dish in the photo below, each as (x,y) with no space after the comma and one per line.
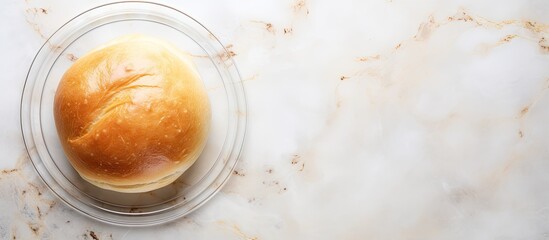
(219,74)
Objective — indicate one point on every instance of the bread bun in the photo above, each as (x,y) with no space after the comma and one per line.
(132,115)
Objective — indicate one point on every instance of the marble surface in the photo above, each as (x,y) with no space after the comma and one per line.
(375,119)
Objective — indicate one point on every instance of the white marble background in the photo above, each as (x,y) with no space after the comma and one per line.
(375,119)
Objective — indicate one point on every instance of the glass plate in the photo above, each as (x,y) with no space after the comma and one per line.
(219,74)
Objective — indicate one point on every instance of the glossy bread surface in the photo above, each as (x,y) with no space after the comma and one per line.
(132,113)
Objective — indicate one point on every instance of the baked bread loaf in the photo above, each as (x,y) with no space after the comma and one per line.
(132,115)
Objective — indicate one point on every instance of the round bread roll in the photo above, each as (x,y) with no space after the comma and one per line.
(132,115)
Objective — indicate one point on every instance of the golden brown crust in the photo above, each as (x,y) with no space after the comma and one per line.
(132,113)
